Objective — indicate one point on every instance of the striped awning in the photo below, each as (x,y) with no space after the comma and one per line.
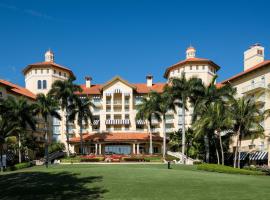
(243,155)
(96,122)
(259,155)
(140,122)
(117,122)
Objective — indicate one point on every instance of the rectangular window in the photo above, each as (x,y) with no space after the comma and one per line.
(54,71)
(60,73)
(190,67)
(35,71)
(48,71)
(203,67)
(65,75)
(197,67)
(41,71)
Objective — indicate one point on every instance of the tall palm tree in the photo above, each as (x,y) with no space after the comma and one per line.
(146,111)
(216,118)
(163,103)
(81,110)
(184,89)
(247,118)
(46,107)
(203,96)
(64,91)
(21,112)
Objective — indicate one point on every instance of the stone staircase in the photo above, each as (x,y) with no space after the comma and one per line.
(183,159)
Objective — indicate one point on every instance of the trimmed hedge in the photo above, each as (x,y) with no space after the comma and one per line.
(90,159)
(227,169)
(21,166)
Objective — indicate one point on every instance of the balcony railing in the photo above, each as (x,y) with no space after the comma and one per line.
(169,121)
(254,87)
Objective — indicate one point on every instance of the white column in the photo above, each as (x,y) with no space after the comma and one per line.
(100,149)
(138,148)
(96,146)
(134,148)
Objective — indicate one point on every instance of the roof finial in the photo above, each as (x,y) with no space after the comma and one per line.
(49,56)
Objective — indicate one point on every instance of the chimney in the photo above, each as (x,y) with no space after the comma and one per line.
(253,56)
(149,80)
(88,80)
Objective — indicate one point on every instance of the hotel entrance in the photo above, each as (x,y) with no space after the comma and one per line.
(124,149)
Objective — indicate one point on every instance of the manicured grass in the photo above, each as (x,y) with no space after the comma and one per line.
(130,181)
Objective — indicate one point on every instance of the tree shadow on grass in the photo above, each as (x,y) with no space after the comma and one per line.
(45,186)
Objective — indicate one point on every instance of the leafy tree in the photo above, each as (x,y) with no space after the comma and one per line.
(46,106)
(247,117)
(216,118)
(65,92)
(147,111)
(81,110)
(163,103)
(182,90)
(21,112)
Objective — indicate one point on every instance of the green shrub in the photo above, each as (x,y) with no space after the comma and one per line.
(21,166)
(197,162)
(56,146)
(90,159)
(227,169)
(71,160)
(171,158)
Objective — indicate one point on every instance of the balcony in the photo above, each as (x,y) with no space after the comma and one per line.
(169,121)
(255,87)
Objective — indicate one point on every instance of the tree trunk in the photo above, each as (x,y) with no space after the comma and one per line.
(81,138)
(19,141)
(1,158)
(183,127)
(239,153)
(67,133)
(207,151)
(150,139)
(221,148)
(217,153)
(164,136)
(46,145)
(236,149)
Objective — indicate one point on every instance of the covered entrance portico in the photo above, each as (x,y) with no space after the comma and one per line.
(118,143)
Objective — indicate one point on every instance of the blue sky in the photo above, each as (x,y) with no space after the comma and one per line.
(129,38)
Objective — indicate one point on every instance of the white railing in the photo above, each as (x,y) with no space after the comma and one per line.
(169,121)
(257,85)
(183,159)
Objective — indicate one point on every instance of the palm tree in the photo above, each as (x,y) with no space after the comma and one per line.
(146,111)
(247,117)
(81,109)
(201,99)
(21,112)
(163,103)
(216,118)
(46,107)
(8,128)
(64,91)
(182,90)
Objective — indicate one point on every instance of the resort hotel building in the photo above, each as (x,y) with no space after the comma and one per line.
(115,128)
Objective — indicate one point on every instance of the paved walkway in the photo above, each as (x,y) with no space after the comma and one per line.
(114,163)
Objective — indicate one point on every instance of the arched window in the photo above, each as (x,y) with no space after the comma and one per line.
(39,84)
(44,84)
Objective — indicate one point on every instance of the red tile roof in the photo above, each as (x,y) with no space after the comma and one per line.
(140,88)
(47,64)
(18,89)
(252,69)
(190,61)
(111,137)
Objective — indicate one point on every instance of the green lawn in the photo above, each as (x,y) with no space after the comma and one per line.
(130,182)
